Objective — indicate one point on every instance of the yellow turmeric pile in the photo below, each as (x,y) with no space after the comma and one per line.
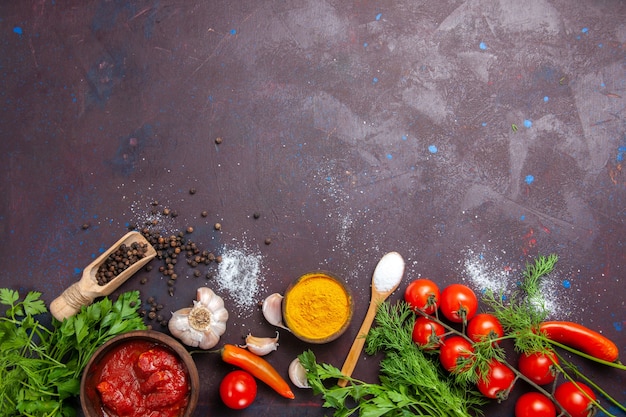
(317,306)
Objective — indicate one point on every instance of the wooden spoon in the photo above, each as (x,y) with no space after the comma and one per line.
(84,291)
(386,278)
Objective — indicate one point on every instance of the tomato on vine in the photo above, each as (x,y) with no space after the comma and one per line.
(538,367)
(422,294)
(534,404)
(498,382)
(238,389)
(453,350)
(571,397)
(427,334)
(458,303)
(484,326)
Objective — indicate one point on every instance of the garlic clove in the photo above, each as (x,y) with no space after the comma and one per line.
(261,346)
(297,374)
(273,310)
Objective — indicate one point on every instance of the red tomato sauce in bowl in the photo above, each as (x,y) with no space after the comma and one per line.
(141,378)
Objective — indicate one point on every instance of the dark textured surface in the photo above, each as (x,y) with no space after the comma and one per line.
(470,136)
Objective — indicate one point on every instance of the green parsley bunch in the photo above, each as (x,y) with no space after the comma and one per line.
(41,367)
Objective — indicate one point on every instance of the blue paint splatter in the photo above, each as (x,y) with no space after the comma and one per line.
(619,325)
(567,284)
(528,124)
(522,217)
(546,99)
(585,30)
(378,16)
(364,44)
(529,179)
(233,31)
(404,137)
(77,271)
(483,124)
(433,149)
(374,80)
(483,46)
(18,30)
(621,151)
(389,156)
(600,45)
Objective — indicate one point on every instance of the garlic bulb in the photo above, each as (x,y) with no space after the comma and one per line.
(297,374)
(261,346)
(203,324)
(273,310)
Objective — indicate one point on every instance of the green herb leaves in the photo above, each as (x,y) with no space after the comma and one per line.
(410,382)
(41,367)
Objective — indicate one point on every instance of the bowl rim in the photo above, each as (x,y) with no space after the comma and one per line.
(154,336)
(343,285)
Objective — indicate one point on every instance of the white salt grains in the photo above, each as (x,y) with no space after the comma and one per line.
(388,272)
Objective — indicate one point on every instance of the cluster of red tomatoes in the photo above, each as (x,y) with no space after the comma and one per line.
(459,304)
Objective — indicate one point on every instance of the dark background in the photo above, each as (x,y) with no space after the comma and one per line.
(470,136)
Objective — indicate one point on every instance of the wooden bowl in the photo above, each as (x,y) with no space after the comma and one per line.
(90,401)
(309,310)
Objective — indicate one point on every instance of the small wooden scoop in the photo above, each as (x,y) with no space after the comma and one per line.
(83,292)
(387,275)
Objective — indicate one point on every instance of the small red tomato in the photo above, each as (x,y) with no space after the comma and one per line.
(422,294)
(483,326)
(458,303)
(570,396)
(238,389)
(453,350)
(427,333)
(538,367)
(498,382)
(534,404)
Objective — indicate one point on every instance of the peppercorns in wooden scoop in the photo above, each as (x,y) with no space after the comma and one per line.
(105,274)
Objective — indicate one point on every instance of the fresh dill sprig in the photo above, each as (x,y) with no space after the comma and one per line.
(533,273)
(411,383)
(522,314)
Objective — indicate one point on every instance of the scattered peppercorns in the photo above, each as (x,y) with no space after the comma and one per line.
(192,191)
(268,241)
(218,140)
(217,226)
(256,215)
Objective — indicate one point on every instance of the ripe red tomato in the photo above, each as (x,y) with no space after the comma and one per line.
(422,294)
(427,333)
(572,399)
(458,303)
(483,326)
(498,382)
(238,389)
(452,350)
(538,367)
(534,404)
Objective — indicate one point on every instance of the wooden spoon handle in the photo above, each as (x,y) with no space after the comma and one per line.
(359,342)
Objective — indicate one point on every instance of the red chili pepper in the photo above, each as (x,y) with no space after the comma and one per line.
(581,338)
(258,367)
